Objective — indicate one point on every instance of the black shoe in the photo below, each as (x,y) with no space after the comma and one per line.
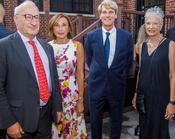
(137,130)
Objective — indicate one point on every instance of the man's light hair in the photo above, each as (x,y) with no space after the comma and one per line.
(155,11)
(108,4)
(23,5)
(2,11)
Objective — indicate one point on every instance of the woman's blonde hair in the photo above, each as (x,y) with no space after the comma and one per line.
(141,37)
(53,22)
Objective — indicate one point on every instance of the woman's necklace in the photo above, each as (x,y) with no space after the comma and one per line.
(153,46)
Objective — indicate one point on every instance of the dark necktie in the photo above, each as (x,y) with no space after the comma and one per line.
(43,84)
(107,46)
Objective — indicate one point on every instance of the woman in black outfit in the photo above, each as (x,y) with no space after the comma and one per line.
(156,81)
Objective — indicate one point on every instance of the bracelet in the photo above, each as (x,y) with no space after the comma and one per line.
(172,102)
(79,98)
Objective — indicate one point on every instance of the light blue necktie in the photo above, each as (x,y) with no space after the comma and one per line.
(107,46)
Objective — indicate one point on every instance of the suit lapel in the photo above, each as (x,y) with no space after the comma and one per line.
(23,54)
(45,47)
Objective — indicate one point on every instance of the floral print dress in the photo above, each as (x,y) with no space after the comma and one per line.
(72,125)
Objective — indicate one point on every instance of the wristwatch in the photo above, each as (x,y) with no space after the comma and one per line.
(172,102)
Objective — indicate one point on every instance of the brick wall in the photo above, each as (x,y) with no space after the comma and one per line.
(170,6)
(9,6)
(129,4)
(95,4)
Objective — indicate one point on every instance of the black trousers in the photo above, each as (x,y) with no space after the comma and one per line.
(2,134)
(44,126)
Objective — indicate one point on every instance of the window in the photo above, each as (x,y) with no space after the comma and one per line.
(39,3)
(151,3)
(72,6)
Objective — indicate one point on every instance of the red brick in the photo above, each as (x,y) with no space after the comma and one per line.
(126,4)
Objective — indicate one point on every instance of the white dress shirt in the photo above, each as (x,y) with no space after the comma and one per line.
(44,59)
(112,39)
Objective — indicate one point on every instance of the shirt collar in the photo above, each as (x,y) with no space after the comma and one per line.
(25,39)
(111,31)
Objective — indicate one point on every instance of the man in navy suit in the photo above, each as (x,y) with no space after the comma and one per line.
(3,30)
(109,55)
(29,94)
(171,34)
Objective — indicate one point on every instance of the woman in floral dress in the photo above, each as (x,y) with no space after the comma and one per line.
(69,58)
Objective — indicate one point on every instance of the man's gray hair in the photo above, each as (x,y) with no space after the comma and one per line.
(155,11)
(20,7)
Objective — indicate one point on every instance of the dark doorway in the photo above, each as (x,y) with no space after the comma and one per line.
(139,18)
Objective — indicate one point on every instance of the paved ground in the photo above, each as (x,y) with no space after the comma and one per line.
(172,129)
(130,121)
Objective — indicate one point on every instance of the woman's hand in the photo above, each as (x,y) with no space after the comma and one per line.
(134,101)
(80,106)
(59,115)
(170,111)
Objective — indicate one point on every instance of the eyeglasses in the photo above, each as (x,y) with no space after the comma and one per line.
(152,25)
(30,17)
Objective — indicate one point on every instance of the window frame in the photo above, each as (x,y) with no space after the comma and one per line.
(72,9)
(151,3)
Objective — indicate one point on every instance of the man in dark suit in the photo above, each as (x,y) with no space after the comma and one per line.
(29,95)
(3,30)
(109,55)
(3,33)
(171,34)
